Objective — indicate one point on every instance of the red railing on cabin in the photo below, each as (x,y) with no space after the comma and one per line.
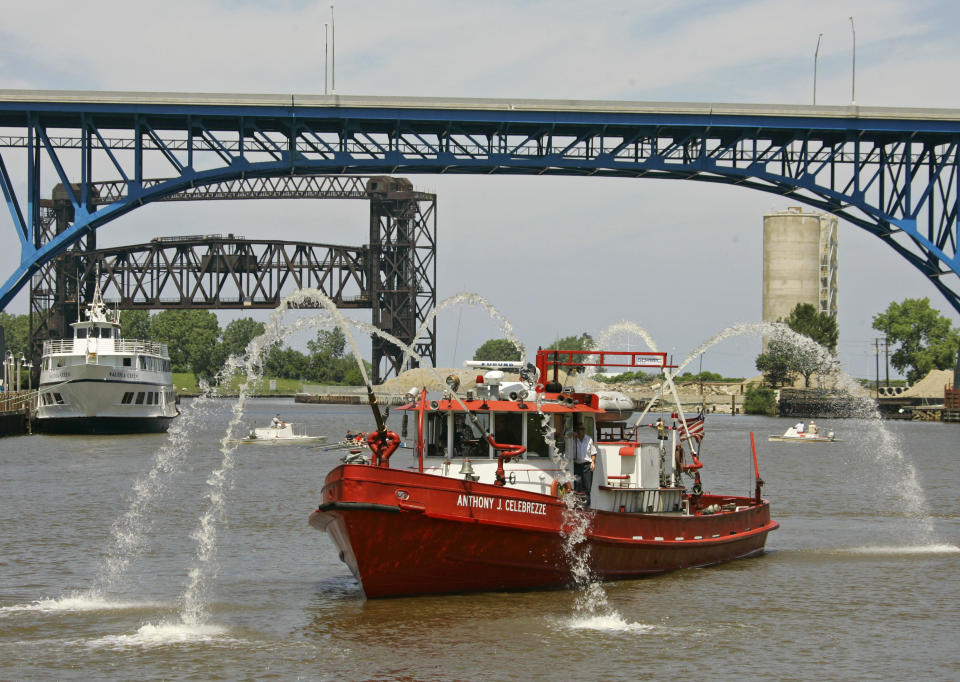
(555,359)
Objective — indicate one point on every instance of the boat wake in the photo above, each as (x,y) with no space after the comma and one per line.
(77,603)
(165,634)
(939,548)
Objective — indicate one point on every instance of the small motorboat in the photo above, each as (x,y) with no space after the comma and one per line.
(285,433)
(348,444)
(792,435)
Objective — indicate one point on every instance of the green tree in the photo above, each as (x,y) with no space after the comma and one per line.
(191,336)
(16,333)
(760,400)
(777,363)
(497,349)
(330,363)
(286,363)
(821,327)
(238,334)
(352,376)
(582,342)
(328,344)
(784,358)
(135,324)
(926,339)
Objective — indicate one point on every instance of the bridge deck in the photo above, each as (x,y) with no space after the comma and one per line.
(14,101)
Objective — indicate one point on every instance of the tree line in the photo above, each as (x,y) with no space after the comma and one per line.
(922,337)
(503,349)
(197,344)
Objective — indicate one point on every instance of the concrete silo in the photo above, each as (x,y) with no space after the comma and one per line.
(799,262)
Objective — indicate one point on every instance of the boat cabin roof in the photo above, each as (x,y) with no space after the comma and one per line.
(96,323)
(550,405)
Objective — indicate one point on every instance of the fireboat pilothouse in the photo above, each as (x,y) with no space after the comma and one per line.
(490,497)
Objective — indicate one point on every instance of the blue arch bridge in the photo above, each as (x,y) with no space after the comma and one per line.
(890,171)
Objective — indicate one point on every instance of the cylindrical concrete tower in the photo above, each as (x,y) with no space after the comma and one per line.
(799,262)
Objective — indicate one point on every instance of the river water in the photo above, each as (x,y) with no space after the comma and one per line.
(862,580)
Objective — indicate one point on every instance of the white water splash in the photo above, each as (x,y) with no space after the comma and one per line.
(608,623)
(898,476)
(625,327)
(78,603)
(893,550)
(130,532)
(165,634)
(304,296)
(205,567)
(462,299)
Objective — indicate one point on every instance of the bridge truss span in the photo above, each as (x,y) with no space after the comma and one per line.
(393,274)
(892,172)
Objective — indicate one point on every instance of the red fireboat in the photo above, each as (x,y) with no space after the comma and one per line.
(489,501)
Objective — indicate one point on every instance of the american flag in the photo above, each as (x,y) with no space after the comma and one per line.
(694,426)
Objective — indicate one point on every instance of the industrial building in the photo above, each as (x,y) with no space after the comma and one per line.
(799,262)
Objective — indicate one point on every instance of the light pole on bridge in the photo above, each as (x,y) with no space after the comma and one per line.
(816,54)
(853,78)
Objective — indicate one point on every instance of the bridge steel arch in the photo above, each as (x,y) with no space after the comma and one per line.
(890,171)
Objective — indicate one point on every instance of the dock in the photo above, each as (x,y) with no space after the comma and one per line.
(16,412)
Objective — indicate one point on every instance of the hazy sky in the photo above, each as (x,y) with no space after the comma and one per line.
(557,256)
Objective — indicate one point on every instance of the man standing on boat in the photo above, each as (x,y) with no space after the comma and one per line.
(584,461)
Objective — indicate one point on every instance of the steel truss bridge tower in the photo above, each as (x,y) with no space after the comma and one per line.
(393,274)
(892,172)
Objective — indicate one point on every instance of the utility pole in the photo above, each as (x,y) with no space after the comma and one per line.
(876,354)
(886,352)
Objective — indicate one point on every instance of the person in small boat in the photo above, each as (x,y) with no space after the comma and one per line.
(812,429)
(799,427)
(276,422)
(584,461)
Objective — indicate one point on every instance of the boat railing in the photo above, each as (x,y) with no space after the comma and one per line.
(70,346)
(139,346)
(57,346)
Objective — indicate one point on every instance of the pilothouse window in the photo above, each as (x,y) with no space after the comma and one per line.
(536,436)
(81,332)
(508,428)
(467,438)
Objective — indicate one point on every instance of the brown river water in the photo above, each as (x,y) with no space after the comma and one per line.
(159,557)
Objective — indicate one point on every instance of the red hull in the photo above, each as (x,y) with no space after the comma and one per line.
(403,533)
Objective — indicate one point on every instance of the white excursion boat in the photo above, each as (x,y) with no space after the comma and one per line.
(98,382)
(283,434)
